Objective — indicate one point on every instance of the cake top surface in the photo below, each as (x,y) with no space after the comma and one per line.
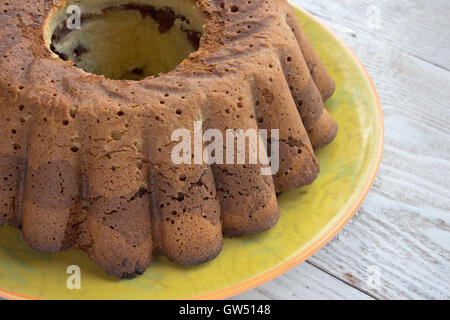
(234,34)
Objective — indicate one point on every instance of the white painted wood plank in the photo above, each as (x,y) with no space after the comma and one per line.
(403,228)
(407,247)
(418,27)
(306,282)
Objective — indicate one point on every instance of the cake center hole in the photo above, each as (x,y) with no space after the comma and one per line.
(125,40)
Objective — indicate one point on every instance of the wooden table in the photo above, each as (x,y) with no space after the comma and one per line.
(398,245)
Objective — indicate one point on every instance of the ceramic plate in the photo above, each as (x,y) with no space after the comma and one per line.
(310,216)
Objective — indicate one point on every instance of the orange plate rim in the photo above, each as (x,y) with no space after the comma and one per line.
(313,248)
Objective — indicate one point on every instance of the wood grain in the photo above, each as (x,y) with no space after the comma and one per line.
(417,27)
(403,227)
(306,282)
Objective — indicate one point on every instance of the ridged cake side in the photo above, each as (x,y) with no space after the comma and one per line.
(85,161)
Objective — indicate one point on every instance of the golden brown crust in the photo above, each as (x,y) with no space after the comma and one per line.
(85,161)
(321,77)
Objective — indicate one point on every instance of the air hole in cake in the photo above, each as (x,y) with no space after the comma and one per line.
(125,39)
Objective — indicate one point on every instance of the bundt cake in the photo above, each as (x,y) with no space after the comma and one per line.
(91,92)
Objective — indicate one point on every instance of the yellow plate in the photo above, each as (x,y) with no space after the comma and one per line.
(310,216)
